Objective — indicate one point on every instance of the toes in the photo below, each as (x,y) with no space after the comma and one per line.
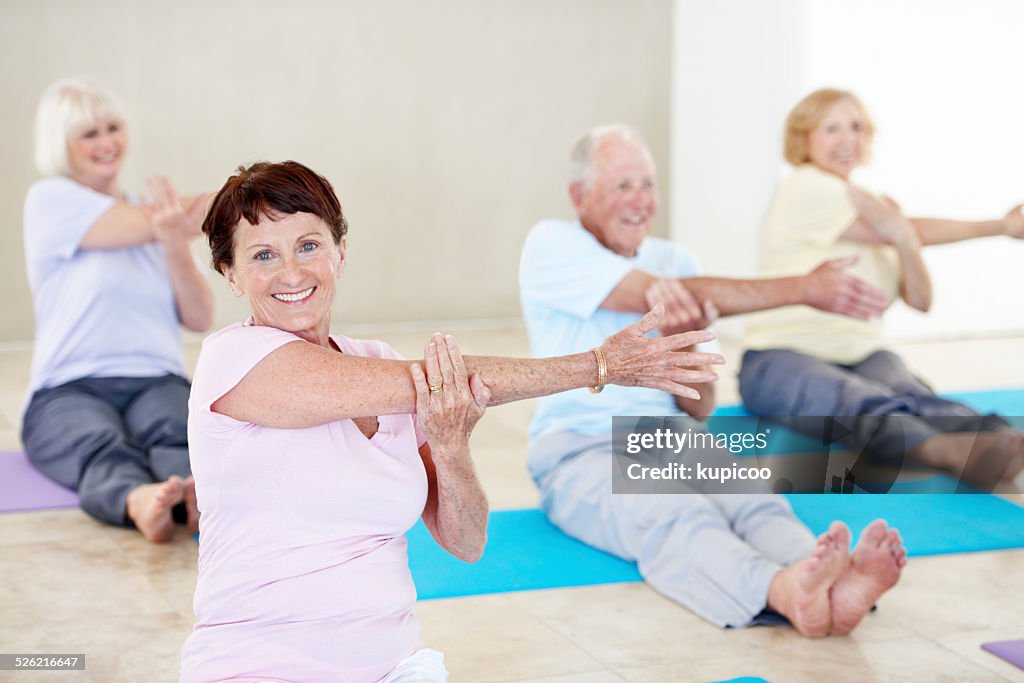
(875,533)
(840,535)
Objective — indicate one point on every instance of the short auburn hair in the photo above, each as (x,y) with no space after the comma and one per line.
(266,190)
(808,115)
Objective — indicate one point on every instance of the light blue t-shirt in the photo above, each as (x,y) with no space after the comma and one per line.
(99,312)
(564,275)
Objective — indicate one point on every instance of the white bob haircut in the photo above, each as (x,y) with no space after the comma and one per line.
(66,106)
(581,159)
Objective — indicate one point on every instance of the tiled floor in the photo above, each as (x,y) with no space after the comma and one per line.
(68,584)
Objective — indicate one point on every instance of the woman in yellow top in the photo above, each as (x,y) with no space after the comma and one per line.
(801,362)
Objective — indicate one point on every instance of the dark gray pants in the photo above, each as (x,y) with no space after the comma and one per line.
(888,410)
(105,436)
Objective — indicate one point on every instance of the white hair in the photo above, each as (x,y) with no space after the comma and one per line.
(65,107)
(581,160)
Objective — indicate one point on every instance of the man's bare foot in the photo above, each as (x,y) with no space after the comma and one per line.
(149,507)
(983,458)
(191,505)
(801,592)
(874,568)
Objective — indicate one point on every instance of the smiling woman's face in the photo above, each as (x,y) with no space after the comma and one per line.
(839,144)
(96,153)
(288,268)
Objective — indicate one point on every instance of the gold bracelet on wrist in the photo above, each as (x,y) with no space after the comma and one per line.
(602,370)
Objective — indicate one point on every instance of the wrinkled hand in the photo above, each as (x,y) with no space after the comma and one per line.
(883,216)
(682,312)
(658,363)
(172,220)
(1014,221)
(830,288)
(448,416)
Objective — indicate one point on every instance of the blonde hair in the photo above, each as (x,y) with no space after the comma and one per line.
(808,115)
(65,107)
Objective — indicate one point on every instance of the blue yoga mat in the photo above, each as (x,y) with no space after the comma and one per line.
(526,552)
(1002,401)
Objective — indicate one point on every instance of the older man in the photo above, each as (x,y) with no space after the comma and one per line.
(726,557)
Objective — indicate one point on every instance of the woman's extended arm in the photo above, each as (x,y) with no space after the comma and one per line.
(129,225)
(456,508)
(302,384)
(944,230)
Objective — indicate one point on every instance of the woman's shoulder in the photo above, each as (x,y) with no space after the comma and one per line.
(58,194)
(231,352)
(57,185)
(809,177)
(369,348)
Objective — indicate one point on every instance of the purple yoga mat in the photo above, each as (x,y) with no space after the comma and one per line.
(1010,650)
(23,487)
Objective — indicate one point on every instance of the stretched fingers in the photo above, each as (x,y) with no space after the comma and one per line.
(158,187)
(419,383)
(649,321)
(869,298)
(444,363)
(689,375)
(430,361)
(457,362)
(684,339)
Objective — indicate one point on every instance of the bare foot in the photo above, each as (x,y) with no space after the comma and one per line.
(874,568)
(801,592)
(191,505)
(149,506)
(983,458)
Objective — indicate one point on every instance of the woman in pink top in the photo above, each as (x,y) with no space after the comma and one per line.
(310,466)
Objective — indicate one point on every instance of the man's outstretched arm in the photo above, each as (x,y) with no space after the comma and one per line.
(828,288)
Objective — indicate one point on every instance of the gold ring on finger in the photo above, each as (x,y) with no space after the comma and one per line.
(435,388)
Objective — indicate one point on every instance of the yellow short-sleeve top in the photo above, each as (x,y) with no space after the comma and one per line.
(803,227)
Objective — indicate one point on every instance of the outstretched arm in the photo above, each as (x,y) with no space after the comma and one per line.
(129,225)
(944,231)
(828,287)
(302,384)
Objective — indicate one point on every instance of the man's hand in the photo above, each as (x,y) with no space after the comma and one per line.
(682,312)
(830,288)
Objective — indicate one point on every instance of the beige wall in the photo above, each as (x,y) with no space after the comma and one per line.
(444,126)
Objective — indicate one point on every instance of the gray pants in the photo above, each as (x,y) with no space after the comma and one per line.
(105,436)
(889,411)
(715,554)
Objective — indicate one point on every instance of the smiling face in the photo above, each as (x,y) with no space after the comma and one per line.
(840,142)
(618,200)
(288,268)
(96,154)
